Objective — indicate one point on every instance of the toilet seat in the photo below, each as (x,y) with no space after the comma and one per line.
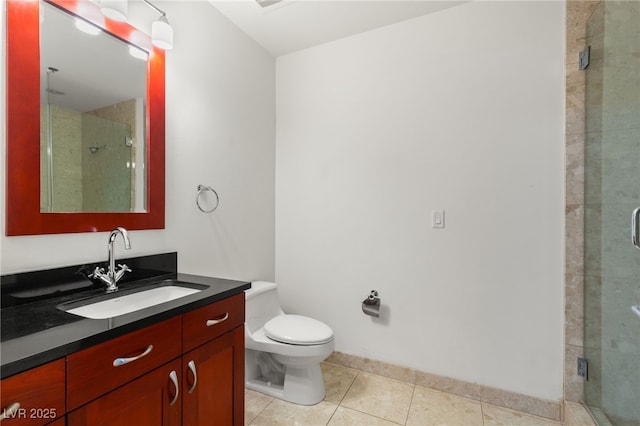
(297,330)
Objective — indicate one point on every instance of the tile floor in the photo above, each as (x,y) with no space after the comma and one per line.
(358,398)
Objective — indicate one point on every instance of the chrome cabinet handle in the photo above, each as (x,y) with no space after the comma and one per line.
(192,367)
(174,379)
(218,321)
(10,411)
(122,361)
(635,228)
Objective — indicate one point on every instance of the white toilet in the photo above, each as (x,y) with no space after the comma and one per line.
(283,352)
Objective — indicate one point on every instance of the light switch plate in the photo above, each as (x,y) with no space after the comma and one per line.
(437,219)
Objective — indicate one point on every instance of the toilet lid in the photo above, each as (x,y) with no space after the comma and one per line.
(297,330)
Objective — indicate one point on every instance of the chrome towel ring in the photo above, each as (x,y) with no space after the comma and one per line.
(201,189)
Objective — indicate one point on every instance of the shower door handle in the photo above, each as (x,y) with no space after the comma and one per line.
(635,228)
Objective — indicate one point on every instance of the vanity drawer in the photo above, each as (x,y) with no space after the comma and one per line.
(103,367)
(39,393)
(211,321)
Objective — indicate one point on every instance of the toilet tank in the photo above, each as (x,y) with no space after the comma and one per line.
(261,304)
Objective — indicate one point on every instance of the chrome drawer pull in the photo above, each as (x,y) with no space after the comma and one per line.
(122,361)
(174,379)
(192,367)
(218,321)
(10,411)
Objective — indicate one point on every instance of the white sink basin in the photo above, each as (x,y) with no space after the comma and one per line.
(128,303)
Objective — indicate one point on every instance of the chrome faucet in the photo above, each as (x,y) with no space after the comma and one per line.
(111,277)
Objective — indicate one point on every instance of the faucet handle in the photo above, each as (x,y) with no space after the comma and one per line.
(97,273)
(124,267)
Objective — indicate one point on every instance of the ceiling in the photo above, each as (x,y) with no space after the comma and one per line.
(291,25)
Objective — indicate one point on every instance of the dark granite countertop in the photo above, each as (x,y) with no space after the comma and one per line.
(36,332)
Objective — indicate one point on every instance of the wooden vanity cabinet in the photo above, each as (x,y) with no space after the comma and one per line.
(36,396)
(193,375)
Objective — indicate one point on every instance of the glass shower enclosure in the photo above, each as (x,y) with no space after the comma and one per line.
(612,193)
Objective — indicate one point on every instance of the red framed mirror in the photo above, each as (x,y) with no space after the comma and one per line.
(23,211)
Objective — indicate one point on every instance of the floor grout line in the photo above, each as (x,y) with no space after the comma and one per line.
(345,394)
(349,388)
(332,414)
(261,411)
(413,394)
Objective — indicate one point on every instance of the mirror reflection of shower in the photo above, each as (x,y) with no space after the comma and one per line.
(93,119)
(88,158)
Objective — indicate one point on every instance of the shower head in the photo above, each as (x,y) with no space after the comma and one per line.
(52,70)
(95,149)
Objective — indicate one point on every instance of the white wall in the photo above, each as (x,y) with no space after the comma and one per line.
(220,130)
(461,110)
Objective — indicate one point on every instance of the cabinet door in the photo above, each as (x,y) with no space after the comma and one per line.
(213,376)
(151,400)
(35,397)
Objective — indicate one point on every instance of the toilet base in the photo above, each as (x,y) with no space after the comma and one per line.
(304,386)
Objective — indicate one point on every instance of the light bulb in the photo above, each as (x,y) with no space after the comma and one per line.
(162,33)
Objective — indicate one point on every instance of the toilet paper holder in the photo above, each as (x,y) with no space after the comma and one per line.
(371,305)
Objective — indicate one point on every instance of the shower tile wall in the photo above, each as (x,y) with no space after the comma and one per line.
(106,175)
(85,181)
(67,160)
(115,170)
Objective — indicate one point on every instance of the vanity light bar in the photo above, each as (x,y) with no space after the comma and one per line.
(161,30)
